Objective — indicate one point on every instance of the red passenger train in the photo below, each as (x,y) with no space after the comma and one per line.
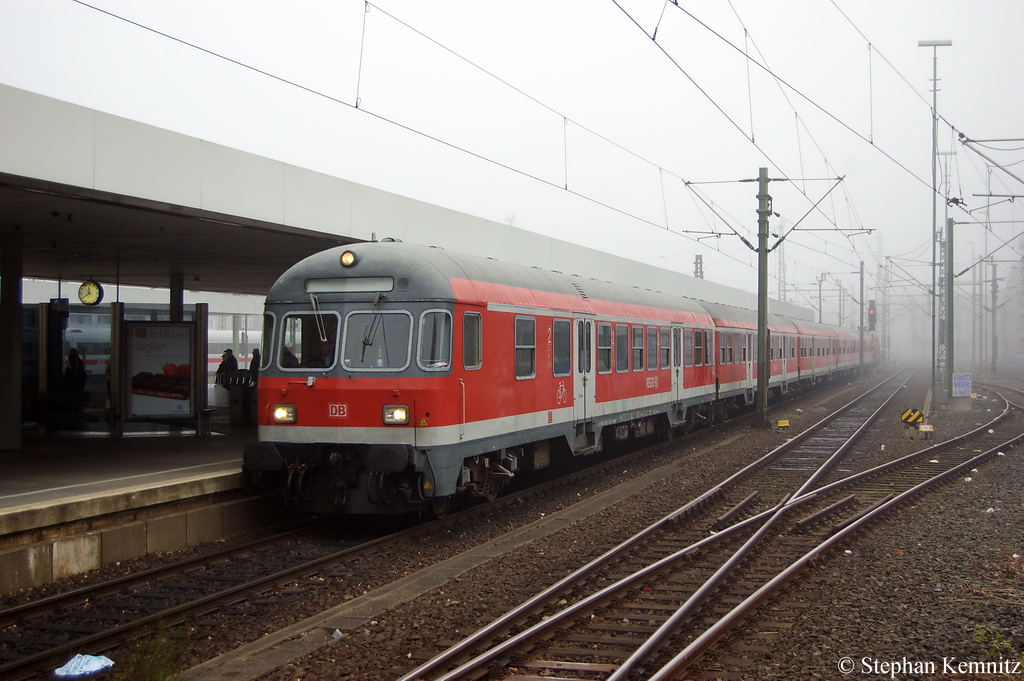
(398,377)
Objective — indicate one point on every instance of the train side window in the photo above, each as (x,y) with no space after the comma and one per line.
(666,347)
(677,347)
(472,345)
(526,347)
(604,348)
(638,348)
(652,348)
(435,352)
(621,348)
(709,347)
(688,347)
(561,347)
(377,340)
(698,348)
(472,340)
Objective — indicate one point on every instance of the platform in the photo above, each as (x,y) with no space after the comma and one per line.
(77,499)
(57,466)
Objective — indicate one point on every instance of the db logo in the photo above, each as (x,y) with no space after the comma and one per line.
(337,411)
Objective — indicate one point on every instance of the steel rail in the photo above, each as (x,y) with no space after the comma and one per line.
(758,598)
(104,640)
(506,621)
(35,607)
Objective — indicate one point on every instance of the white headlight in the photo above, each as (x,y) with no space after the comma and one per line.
(283,413)
(396,414)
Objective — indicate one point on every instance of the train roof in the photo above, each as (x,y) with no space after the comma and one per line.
(424,273)
(427,273)
(729,316)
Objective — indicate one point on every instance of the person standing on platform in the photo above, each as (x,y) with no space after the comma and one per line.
(254,365)
(74,373)
(228,365)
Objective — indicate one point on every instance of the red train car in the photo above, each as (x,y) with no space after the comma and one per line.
(397,377)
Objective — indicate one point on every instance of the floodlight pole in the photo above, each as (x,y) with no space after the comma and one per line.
(949,308)
(764,209)
(935,45)
(860,367)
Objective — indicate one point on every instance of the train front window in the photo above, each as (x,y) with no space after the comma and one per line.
(376,340)
(307,340)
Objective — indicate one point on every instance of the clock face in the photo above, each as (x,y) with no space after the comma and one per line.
(90,293)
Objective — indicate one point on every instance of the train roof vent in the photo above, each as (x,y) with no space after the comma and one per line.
(583,294)
(402,283)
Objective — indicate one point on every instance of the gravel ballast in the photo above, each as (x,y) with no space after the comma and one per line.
(914,587)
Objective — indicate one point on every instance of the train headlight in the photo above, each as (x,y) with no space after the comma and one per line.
(396,414)
(283,413)
(348,258)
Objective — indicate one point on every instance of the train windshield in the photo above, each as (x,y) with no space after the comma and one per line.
(376,340)
(308,340)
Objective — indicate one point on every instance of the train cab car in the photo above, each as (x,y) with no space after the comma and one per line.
(396,377)
(399,378)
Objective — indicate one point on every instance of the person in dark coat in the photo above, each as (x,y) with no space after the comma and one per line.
(228,365)
(254,365)
(74,373)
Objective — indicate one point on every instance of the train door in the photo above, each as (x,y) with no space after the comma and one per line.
(749,350)
(585,402)
(784,356)
(677,363)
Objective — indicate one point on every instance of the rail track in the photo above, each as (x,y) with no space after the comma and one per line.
(645,608)
(39,635)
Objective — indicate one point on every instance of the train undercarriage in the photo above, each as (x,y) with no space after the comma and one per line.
(396,479)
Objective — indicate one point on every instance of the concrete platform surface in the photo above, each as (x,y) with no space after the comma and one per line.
(74,466)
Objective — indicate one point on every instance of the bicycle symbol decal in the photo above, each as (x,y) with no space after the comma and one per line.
(562,395)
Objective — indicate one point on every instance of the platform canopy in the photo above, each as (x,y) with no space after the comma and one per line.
(72,233)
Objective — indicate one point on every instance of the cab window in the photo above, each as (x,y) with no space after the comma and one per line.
(308,340)
(377,341)
(435,349)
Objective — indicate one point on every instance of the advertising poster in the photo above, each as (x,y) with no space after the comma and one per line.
(159,360)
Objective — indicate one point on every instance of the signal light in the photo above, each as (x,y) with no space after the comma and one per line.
(871,315)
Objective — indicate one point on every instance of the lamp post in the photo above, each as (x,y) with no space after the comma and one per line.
(935,45)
